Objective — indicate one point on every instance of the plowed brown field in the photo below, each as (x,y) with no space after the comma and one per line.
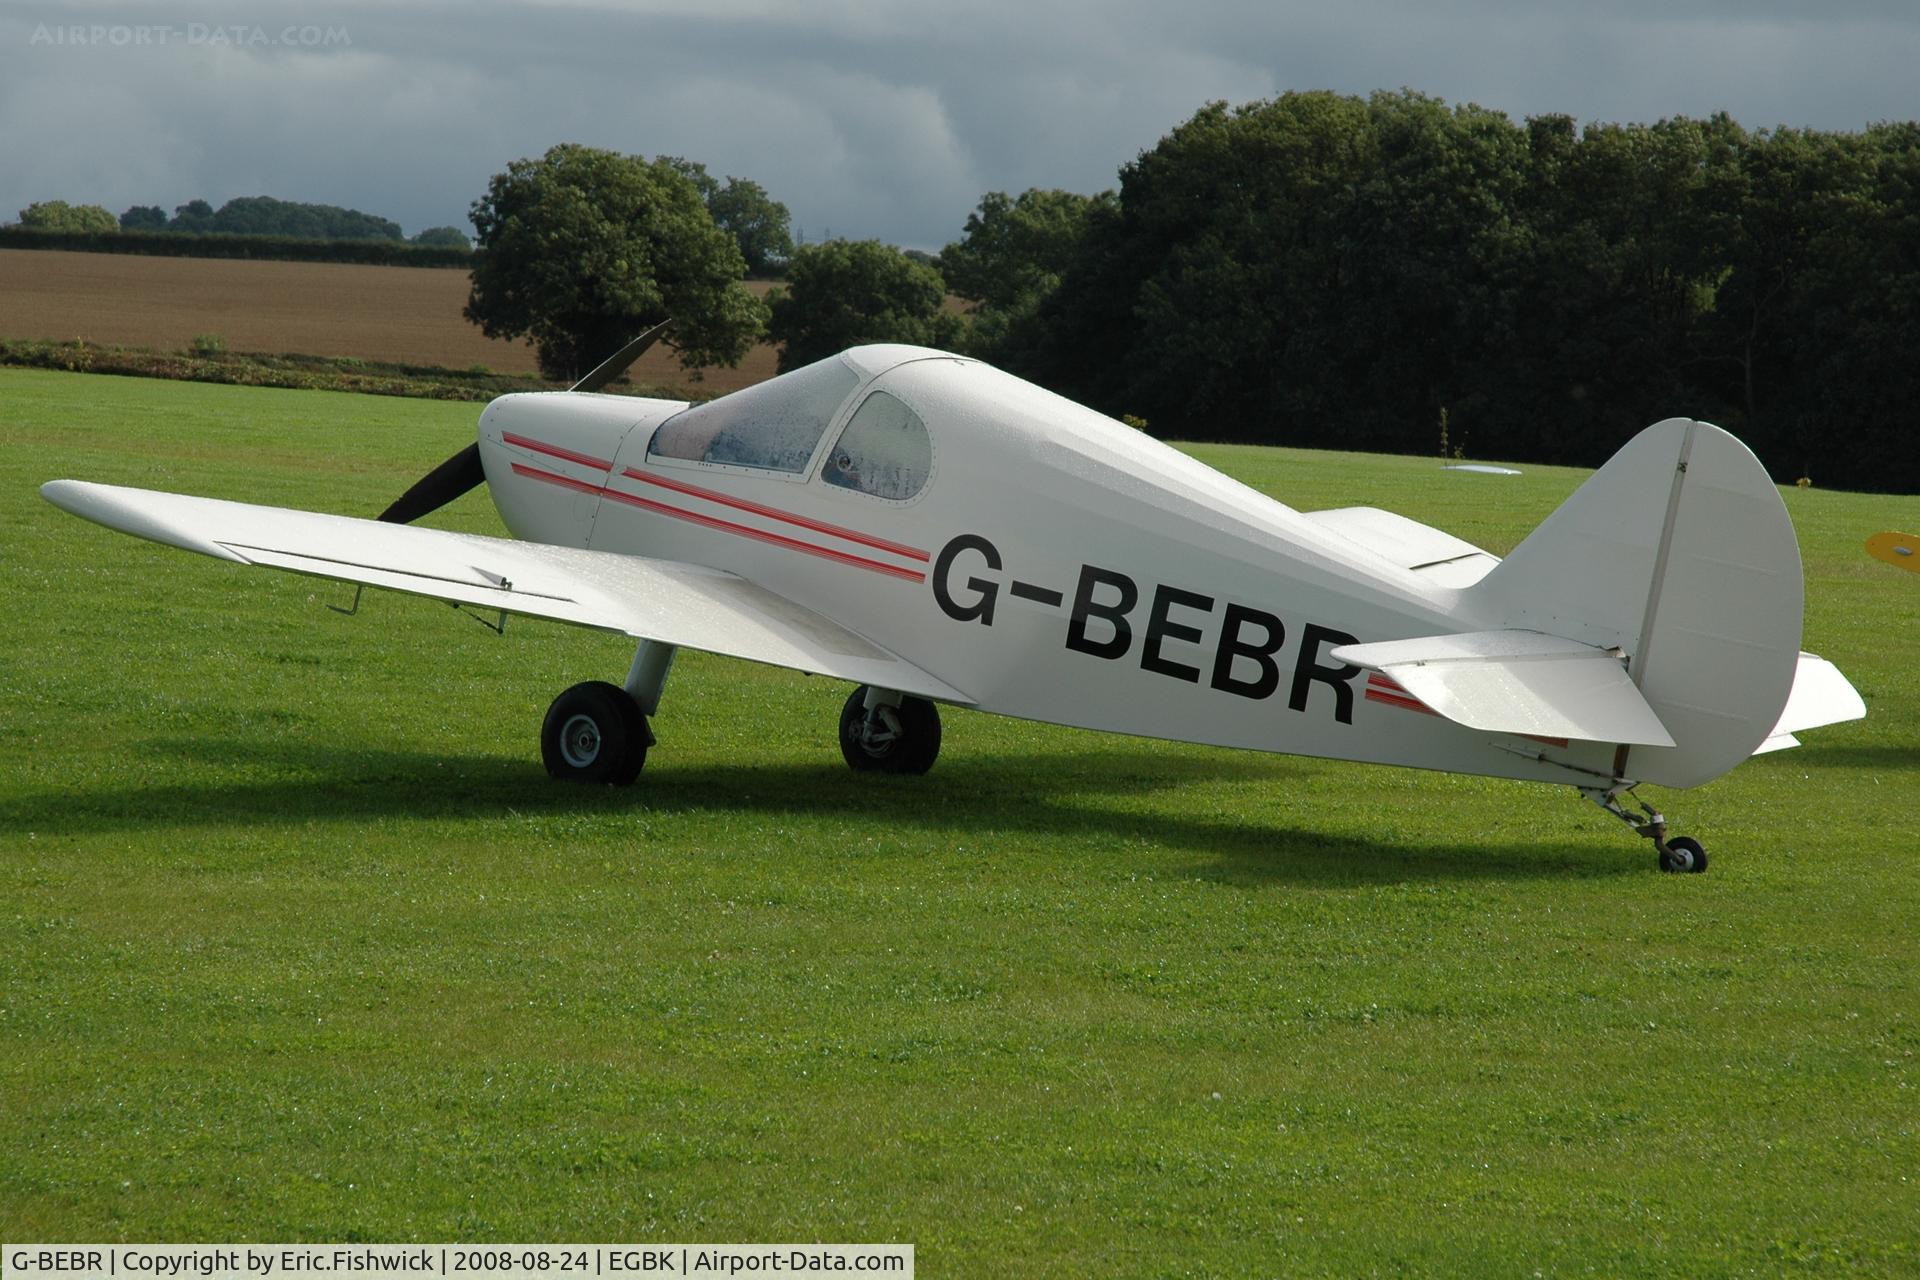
(405,314)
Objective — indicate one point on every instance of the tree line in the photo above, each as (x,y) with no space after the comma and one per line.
(1349,272)
(741,207)
(243,215)
(228,245)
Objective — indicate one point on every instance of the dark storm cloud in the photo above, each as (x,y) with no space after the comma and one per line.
(868,119)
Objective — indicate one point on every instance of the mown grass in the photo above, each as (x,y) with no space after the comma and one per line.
(297,941)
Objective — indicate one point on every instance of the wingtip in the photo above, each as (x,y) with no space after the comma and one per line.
(157,517)
(62,493)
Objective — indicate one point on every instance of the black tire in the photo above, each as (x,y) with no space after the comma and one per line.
(1688,855)
(594,733)
(909,740)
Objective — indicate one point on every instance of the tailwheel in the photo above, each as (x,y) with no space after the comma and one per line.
(878,736)
(594,733)
(1683,854)
(1680,854)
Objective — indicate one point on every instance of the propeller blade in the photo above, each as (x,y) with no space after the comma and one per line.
(452,478)
(616,364)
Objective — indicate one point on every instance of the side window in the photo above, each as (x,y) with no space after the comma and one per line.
(884,450)
(773,426)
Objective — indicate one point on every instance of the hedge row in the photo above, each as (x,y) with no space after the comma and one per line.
(84,357)
(176,244)
(300,372)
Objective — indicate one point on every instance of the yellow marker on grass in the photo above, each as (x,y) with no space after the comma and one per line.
(1901,550)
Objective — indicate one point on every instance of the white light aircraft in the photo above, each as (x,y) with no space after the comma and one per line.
(934,530)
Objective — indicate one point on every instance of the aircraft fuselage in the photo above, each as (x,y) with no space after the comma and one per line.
(1056,566)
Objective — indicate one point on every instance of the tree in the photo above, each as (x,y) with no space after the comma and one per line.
(443,238)
(1011,258)
(267,216)
(1868,293)
(696,173)
(1311,270)
(757,222)
(58,215)
(582,249)
(1817,313)
(842,293)
(193,217)
(1016,247)
(1616,253)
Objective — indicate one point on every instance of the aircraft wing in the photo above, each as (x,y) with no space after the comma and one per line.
(1522,682)
(664,600)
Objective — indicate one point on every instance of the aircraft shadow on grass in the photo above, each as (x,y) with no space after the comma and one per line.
(1054,795)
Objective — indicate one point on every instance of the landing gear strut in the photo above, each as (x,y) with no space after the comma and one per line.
(1680,854)
(598,732)
(886,732)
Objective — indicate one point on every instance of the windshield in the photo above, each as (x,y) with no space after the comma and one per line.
(773,426)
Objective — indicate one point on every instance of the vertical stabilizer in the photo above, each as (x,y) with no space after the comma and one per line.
(1680,553)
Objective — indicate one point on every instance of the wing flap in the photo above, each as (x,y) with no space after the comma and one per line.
(533,604)
(1519,682)
(675,603)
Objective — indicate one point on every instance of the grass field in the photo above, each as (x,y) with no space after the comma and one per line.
(410,315)
(298,942)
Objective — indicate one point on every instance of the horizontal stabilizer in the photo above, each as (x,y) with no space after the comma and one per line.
(1519,682)
(679,604)
(1821,696)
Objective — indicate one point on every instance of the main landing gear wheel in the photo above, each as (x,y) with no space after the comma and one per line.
(889,739)
(594,733)
(1683,854)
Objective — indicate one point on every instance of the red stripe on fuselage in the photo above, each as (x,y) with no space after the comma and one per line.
(774,513)
(565,482)
(1400,700)
(725,526)
(555,451)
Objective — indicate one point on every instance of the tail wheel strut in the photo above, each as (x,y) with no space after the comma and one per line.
(1679,854)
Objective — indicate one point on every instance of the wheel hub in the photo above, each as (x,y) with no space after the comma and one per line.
(580,741)
(879,730)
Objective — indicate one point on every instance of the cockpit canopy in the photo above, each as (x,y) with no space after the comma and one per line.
(772,426)
(883,450)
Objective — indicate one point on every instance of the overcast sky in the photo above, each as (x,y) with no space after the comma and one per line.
(866,118)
